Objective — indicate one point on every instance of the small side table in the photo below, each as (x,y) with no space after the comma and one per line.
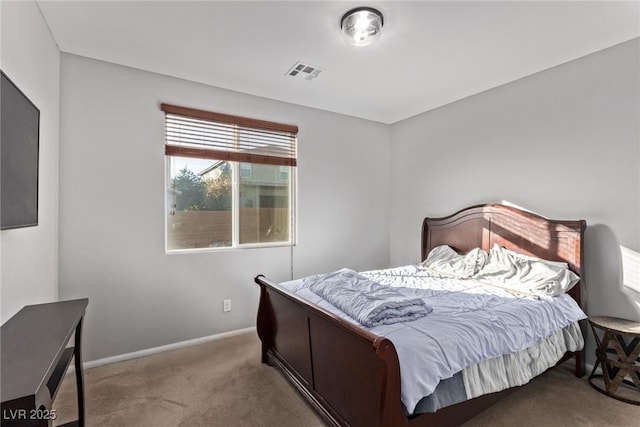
(618,354)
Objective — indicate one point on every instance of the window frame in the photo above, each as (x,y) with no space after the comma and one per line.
(291,180)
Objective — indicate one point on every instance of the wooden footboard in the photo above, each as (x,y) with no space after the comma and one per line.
(350,376)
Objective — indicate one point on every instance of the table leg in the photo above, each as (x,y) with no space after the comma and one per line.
(77,356)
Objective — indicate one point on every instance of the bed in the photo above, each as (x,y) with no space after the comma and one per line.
(350,375)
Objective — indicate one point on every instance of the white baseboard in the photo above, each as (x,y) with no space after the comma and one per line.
(154,350)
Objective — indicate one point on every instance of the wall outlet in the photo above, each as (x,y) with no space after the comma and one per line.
(226,305)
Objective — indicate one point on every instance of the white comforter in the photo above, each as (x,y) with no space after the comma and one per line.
(470,322)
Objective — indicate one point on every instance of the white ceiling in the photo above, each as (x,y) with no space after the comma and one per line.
(430,53)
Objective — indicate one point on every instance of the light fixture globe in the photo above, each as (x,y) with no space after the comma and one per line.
(361,26)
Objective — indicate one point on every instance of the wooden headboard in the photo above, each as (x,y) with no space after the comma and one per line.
(523,232)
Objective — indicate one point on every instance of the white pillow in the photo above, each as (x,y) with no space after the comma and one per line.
(445,260)
(440,253)
(526,273)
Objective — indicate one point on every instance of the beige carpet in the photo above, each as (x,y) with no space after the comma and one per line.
(222,383)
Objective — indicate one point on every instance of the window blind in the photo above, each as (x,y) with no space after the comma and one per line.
(216,136)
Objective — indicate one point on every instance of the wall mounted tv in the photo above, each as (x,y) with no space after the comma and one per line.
(19,144)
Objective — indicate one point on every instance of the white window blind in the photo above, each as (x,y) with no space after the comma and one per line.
(209,135)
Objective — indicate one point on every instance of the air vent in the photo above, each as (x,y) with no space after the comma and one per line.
(306,71)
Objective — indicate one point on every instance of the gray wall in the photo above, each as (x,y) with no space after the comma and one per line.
(112,208)
(564,143)
(29,256)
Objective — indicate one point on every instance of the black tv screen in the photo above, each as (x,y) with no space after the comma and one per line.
(19,144)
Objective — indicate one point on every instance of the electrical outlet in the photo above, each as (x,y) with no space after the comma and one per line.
(226,305)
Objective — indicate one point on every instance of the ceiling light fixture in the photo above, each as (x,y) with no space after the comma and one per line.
(361,26)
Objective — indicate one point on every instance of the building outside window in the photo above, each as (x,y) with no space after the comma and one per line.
(245,170)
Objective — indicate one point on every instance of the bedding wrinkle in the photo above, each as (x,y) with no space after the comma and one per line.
(528,274)
(366,301)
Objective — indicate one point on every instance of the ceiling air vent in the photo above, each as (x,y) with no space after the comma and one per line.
(306,71)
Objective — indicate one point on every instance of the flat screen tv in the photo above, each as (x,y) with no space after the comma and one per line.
(19,145)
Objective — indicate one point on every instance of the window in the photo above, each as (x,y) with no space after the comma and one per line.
(284,173)
(245,170)
(230,180)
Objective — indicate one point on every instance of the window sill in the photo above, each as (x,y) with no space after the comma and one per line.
(228,248)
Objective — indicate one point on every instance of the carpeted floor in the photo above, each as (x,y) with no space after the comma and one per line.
(222,383)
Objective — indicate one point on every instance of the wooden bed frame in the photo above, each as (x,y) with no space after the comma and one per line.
(351,376)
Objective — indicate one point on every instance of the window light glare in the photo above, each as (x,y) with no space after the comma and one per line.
(361,26)
(630,268)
